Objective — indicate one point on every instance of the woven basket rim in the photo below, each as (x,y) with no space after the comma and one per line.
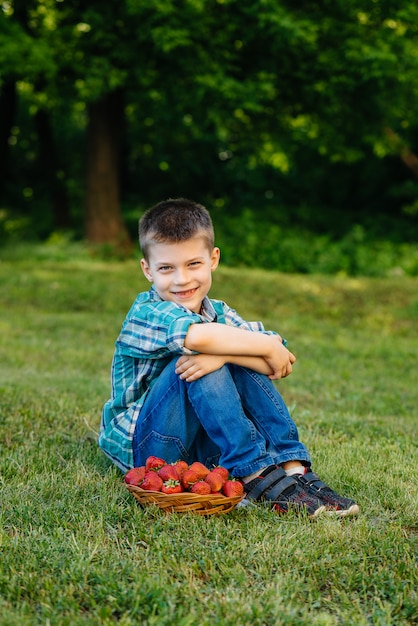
(210,504)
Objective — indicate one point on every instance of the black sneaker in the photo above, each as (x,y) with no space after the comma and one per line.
(285,493)
(333,502)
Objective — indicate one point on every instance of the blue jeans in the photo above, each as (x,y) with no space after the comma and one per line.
(233,417)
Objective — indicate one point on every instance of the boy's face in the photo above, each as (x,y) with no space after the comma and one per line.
(182,272)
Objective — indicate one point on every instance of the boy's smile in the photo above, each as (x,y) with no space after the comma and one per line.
(182,272)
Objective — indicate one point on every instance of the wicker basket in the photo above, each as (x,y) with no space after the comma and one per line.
(185,502)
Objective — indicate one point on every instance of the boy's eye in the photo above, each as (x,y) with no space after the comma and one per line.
(195,263)
(164,268)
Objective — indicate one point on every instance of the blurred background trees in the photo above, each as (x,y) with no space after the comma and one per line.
(284,118)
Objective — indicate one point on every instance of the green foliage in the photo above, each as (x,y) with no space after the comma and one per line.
(248,241)
(20,53)
(235,101)
(13,227)
(76,549)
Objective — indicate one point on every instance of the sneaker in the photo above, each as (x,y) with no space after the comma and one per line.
(333,502)
(285,493)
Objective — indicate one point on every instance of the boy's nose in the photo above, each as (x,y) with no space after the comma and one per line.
(181,277)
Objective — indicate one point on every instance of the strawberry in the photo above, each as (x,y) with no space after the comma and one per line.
(215,481)
(154,463)
(223,472)
(232,488)
(201,470)
(152,482)
(201,487)
(189,478)
(171,486)
(135,476)
(168,472)
(181,467)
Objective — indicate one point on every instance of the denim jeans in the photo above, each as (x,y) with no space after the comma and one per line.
(233,417)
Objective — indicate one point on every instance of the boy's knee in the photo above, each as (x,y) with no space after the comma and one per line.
(217,382)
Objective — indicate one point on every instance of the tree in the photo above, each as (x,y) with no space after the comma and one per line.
(26,58)
(103,217)
(242,103)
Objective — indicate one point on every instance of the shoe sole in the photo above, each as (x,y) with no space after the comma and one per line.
(322,510)
(353,510)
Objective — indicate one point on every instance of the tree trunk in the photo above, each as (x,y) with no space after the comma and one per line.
(104,222)
(50,160)
(8,105)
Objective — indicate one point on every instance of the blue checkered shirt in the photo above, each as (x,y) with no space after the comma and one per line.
(152,334)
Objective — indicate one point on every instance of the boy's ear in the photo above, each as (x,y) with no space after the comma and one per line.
(215,258)
(145,269)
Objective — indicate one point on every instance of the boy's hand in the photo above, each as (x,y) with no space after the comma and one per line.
(193,367)
(280,359)
(219,339)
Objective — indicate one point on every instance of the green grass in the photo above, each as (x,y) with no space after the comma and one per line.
(77,549)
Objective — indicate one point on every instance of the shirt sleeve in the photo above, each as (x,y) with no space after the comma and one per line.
(156,330)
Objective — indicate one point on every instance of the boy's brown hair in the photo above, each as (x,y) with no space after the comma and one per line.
(173,221)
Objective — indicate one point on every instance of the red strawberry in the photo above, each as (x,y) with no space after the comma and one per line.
(223,472)
(201,487)
(232,488)
(152,482)
(171,486)
(200,469)
(215,481)
(168,472)
(154,463)
(189,478)
(135,476)
(181,467)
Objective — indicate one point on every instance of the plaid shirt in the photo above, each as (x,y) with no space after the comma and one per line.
(152,334)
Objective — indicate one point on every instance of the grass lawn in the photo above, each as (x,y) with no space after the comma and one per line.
(77,549)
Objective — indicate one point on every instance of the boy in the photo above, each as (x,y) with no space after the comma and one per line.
(192,380)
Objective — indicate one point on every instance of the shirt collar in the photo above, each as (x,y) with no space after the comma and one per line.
(207,311)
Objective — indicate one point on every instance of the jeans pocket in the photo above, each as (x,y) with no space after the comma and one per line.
(166,447)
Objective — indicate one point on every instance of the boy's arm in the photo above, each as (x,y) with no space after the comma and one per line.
(195,366)
(219,339)
(256,363)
